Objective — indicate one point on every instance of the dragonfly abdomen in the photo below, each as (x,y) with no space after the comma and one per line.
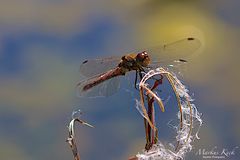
(105,76)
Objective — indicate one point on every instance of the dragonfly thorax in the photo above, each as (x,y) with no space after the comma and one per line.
(134,61)
(143,59)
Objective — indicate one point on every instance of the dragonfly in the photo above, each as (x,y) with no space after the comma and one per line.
(102,75)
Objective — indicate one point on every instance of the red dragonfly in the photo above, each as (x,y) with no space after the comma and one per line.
(102,75)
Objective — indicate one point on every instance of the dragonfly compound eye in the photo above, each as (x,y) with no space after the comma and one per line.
(143,59)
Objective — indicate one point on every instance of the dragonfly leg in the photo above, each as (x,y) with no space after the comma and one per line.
(140,74)
(136,78)
(135,82)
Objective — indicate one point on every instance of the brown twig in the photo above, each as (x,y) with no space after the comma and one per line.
(151,96)
(71,137)
(149,117)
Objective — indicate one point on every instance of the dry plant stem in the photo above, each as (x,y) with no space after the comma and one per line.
(150,116)
(151,108)
(179,106)
(71,137)
(191,119)
(159,101)
(147,124)
(151,134)
(171,79)
(144,109)
(150,139)
(185,116)
(146,131)
(73,148)
(178,99)
(190,108)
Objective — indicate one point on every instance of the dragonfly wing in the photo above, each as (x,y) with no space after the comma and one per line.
(104,89)
(180,49)
(176,67)
(173,56)
(93,67)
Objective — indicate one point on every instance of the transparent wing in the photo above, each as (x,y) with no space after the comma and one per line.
(104,89)
(178,68)
(180,49)
(174,56)
(89,68)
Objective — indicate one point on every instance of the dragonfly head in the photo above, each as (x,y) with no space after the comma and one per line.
(143,59)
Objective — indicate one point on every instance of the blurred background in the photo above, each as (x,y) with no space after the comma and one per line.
(42,44)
